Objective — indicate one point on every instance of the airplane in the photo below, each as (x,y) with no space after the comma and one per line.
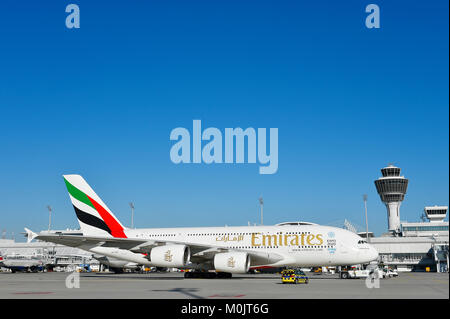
(203,250)
(23,263)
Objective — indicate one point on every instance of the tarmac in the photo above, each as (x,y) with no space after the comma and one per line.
(57,285)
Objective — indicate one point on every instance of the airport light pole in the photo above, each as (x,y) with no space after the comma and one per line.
(132,214)
(367,225)
(261,203)
(49,216)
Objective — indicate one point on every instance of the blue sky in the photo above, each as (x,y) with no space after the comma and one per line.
(102,100)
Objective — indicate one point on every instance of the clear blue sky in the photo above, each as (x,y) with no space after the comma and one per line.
(102,100)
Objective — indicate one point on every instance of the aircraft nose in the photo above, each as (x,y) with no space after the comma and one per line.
(373,253)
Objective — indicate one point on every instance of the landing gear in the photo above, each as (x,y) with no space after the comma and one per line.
(199,274)
(116,270)
(206,275)
(224,275)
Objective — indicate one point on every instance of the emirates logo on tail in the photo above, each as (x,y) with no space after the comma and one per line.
(90,209)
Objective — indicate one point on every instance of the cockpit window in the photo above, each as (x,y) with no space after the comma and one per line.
(361,242)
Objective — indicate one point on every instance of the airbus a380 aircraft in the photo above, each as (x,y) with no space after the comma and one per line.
(224,249)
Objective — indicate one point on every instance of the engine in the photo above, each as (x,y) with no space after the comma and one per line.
(170,256)
(235,262)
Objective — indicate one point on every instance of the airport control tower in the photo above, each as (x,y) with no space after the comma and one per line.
(436,214)
(392,189)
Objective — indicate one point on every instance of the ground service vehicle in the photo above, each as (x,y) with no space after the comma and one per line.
(294,276)
(390,273)
(347,273)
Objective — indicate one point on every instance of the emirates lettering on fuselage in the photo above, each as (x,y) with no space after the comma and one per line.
(286,240)
(260,240)
(227,238)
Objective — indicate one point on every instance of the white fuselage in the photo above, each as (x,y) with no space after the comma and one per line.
(299,245)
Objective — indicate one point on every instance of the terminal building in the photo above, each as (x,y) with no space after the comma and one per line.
(410,246)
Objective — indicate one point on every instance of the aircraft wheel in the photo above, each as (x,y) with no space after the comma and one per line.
(116,270)
(224,275)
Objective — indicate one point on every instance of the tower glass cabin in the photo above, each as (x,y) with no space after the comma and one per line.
(392,189)
(436,214)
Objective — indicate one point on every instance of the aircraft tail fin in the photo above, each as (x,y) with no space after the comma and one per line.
(30,235)
(94,216)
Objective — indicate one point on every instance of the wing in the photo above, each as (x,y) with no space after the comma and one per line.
(199,252)
(85,242)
